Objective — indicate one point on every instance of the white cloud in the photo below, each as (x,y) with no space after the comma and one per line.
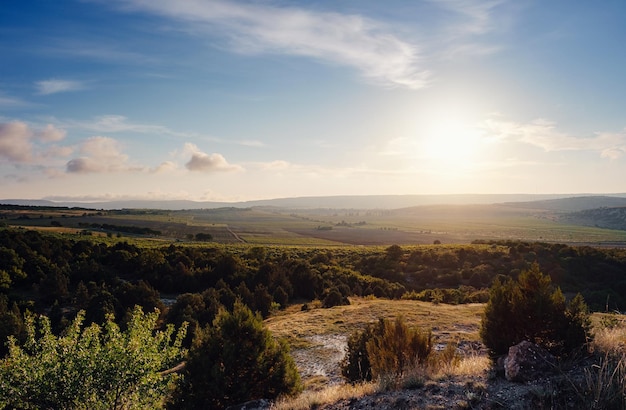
(100,154)
(203,162)
(349,40)
(54,86)
(166,166)
(51,133)
(277,165)
(251,143)
(15,141)
(544,134)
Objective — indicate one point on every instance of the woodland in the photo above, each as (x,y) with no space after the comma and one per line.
(192,293)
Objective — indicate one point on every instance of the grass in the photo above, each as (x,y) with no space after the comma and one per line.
(312,399)
(449,322)
(606,380)
(471,367)
(317,337)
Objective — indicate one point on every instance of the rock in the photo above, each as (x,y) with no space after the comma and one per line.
(260,404)
(527,361)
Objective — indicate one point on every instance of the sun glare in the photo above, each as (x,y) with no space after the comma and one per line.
(451,143)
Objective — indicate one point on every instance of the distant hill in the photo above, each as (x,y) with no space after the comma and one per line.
(574,204)
(610,218)
(334,202)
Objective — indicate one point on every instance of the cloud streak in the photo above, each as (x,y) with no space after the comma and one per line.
(348,40)
(545,135)
(54,86)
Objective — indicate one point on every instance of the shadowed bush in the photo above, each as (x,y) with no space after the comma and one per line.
(531,309)
(234,361)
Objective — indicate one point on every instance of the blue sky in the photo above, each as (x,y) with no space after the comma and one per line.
(240,100)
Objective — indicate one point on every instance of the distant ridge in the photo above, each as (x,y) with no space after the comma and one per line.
(575,204)
(562,202)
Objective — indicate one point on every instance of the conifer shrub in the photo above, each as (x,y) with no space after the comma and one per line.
(236,360)
(531,308)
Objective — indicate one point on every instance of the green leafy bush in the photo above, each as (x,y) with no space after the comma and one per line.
(91,367)
(234,361)
(530,308)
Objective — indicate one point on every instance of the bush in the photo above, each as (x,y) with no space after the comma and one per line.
(335,298)
(234,361)
(532,309)
(387,348)
(356,364)
(93,367)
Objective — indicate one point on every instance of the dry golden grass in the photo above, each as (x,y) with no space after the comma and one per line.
(311,399)
(467,366)
(448,322)
(610,340)
(318,336)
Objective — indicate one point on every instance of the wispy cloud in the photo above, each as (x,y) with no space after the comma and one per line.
(461,34)
(98,50)
(8,102)
(106,124)
(54,86)
(349,40)
(251,143)
(476,14)
(204,162)
(545,134)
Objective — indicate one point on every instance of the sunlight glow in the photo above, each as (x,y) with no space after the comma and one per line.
(452,144)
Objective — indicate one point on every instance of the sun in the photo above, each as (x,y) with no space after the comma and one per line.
(450,143)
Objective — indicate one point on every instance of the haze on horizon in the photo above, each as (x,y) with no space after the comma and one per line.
(241,100)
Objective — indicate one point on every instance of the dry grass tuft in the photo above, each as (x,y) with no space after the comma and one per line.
(610,340)
(468,366)
(331,394)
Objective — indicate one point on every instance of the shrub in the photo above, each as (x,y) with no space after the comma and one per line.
(398,348)
(532,309)
(94,367)
(386,349)
(234,361)
(356,364)
(335,298)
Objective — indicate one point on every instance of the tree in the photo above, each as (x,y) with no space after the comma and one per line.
(532,309)
(95,367)
(234,361)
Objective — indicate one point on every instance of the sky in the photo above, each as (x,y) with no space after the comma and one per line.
(212,100)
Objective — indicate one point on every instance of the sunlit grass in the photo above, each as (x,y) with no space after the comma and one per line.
(331,394)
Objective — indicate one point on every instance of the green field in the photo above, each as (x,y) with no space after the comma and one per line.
(330,227)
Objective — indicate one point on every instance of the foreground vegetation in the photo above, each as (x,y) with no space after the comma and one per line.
(89,292)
